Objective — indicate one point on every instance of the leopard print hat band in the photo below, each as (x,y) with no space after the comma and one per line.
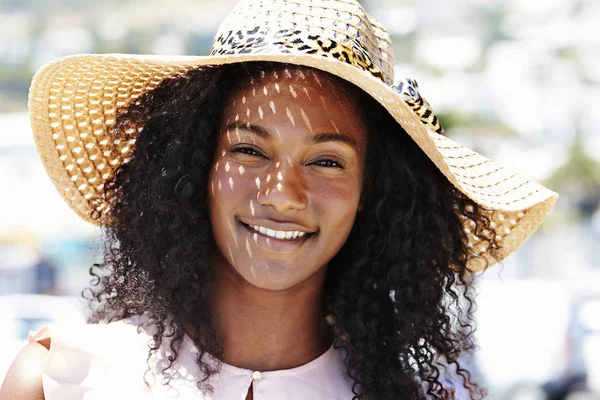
(73,102)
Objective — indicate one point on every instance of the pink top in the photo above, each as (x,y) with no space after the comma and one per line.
(94,361)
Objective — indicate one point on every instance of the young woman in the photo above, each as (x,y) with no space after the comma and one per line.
(276,223)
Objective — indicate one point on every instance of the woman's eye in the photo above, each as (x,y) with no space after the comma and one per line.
(330,164)
(246,150)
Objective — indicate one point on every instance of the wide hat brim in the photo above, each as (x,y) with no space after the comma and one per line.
(74,100)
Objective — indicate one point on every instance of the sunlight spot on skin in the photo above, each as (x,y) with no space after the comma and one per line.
(253,271)
(219,184)
(212,187)
(262,74)
(265,91)
(234,101)
(301,74)
(252,207)
(287,73)
(228,119)
(269,178)
(277,164)
(230,254)
(241,169)
(257,180)
(277,87)
(227,167)
(228,137)
(248,247)
(231,182)
(289,160)
(232,232)
(306,92)
(268,242)
(243,99)
(253,92)
(260,112)
(272,105)
(279,186)
(334,126)
(317,78)
(237,133)
(279,176)
(322,101)
(252,81)
(290,116)
(247,112)
(293,91)
(217,165)
(267,192)
(306,120)
(237,117)
(332,88)
(275,74)
(223,152)
(278,132)
(255,237)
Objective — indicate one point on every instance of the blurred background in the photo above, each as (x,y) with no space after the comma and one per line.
(516,80)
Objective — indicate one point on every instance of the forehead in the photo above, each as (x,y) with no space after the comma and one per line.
(296,86)
(285,73)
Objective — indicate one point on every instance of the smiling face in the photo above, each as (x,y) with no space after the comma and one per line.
(289,162)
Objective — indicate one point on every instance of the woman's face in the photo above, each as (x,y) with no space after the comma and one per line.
(289,161)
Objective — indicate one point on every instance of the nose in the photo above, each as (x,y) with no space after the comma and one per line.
(283,189)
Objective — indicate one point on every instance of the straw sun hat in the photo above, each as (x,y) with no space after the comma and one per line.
(74,100)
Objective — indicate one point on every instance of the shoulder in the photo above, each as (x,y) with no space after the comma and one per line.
(85,344)
(73,352)
(24,377)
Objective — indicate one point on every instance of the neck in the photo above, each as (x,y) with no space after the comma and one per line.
(266,330)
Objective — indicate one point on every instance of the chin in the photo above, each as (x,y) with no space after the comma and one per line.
(274,275)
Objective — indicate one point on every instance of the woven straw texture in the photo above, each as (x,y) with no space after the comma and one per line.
(74,101)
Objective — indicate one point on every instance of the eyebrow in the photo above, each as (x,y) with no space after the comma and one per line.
(318,138)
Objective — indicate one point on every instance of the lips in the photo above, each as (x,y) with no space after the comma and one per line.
(273,244)
(277,225)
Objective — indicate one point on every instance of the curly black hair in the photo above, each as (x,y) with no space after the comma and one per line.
(400,288)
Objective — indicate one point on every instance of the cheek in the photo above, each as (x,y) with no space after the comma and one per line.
(230,193)
(336,203)
(230,185)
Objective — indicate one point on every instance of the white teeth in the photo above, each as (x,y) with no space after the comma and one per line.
(278,234)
